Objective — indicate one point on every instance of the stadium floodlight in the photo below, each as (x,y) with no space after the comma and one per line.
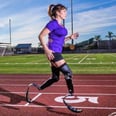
(71,3)
(10,29)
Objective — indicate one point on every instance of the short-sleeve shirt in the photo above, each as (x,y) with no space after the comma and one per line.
(56,36)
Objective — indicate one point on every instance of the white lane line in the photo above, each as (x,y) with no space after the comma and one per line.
(101,63)
(62,79)
(112,55)
(83,58)
(74,63)
(38,106)
(22,63)
(75,76)
(39,94)
(62,85)
(88,85)
(50,93)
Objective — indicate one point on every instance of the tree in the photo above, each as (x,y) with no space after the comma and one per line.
(110,36)
(97,38)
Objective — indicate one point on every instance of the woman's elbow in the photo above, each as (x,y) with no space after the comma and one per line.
(39,36)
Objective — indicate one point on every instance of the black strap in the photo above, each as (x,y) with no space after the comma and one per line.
(71,108)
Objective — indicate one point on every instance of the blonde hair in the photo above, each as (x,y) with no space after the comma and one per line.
(54,8)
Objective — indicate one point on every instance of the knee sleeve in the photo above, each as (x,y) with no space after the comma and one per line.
(51,80)
(68,77)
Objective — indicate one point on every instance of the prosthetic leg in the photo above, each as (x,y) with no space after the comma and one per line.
(54,78)
(68,77)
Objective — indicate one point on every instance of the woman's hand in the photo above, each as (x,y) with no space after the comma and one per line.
(74,36)
(49,54)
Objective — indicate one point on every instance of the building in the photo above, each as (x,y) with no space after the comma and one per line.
(23,49)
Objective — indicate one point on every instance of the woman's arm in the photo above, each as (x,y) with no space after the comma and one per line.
(72,36)
(41,37)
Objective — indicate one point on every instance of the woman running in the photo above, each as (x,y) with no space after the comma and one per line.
(56,37)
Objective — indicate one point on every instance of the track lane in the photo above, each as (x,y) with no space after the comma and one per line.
(13,97)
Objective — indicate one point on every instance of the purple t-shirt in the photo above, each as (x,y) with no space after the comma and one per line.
(56,36)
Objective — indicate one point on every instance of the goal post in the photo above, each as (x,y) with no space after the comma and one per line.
(5,49)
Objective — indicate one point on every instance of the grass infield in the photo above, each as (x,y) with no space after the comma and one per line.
(79,63)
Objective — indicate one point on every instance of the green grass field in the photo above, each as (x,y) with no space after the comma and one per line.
(79,63)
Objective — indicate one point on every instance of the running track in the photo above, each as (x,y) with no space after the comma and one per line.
(95,94)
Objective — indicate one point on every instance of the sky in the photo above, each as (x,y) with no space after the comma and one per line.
(28,18)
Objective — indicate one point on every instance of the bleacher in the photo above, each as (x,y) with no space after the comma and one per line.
(106,44)
(23,48)
(86,42)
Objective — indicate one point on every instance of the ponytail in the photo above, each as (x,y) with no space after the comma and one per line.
(50,11)
(54,8)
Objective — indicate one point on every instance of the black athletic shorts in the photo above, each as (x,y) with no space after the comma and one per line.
(57,57)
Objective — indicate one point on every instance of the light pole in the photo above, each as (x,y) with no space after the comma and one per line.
(10,35)
(72,20)
(10,30)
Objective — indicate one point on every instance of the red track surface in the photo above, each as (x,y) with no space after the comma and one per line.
(95,94)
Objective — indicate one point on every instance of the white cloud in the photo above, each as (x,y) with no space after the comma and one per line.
(92,20)
(25,25)
(92,4)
